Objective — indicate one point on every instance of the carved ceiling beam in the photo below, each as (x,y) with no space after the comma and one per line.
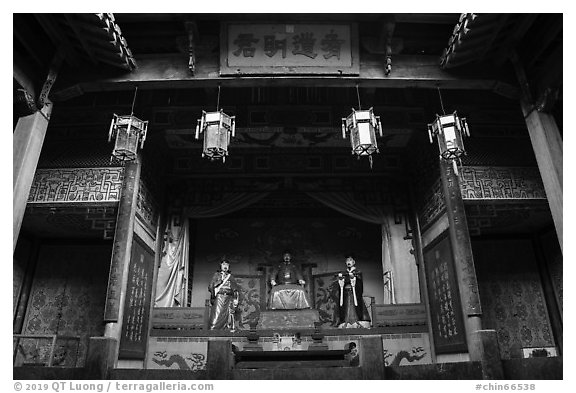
(172,72)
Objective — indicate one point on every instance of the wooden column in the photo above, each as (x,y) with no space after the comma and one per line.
(27,141)
(219,359)
(463,259)
(554,309)
(419,255)
(26,289)
(489,351)
(547,145)
(266,270)
(121,251)
(309,286)
(372,358)
(100,357)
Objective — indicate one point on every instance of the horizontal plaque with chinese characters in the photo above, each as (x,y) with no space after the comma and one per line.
(299,48)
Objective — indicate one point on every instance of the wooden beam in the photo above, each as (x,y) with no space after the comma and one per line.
(27,141)
(428,18)
(548,149)
(547,145)
(171,72)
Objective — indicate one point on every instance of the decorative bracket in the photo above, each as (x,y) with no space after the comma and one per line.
(547,100)
(192,31)
(388,26)
(51,78)
(24,103)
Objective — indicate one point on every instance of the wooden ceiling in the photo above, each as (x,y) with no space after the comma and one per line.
(158,45)
(96,47)
(490,40)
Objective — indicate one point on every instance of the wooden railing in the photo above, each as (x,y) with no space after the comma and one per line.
(196,318)
(398,314)
(180,317)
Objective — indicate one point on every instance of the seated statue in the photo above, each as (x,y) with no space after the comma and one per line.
(288,286)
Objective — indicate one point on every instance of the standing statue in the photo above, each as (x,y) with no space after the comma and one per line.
(288,286)
(224,297)
(347,292)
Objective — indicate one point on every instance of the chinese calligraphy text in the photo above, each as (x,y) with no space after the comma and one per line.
(289,48)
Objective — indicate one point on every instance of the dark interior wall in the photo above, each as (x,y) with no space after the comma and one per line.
(554,265)
(67,297)
(20,261)
(511,294)
(248,242)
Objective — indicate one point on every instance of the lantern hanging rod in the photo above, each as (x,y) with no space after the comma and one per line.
(134,101)
(218,100)
(441,103)
(358,95)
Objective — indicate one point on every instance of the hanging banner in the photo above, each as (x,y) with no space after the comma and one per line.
(289,48)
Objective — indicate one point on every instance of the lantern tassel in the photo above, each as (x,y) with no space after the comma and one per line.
(143,134)
(202,121)
(111,132)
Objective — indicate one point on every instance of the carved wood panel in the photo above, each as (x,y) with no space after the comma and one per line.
(76,185)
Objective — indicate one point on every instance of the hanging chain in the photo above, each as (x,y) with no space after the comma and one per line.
(358,95)
(218,102)
(441,103)
(134,101)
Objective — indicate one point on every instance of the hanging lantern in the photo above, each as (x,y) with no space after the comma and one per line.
(362,126)
(129,131)
(449,130)
(217,128)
